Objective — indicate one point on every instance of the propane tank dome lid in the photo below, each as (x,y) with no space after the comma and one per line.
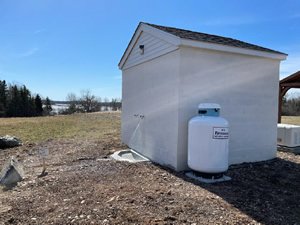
(209,106)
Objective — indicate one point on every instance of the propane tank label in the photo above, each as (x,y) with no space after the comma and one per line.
(220,133)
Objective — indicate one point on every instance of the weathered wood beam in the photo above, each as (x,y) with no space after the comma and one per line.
(292,85)
(279,104)
(282,91)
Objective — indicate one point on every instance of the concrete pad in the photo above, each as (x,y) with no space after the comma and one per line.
(295,150)
(206,180)
(129,155)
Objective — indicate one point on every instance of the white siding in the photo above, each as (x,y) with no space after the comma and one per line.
(246,87)
(151,89)
(153,47)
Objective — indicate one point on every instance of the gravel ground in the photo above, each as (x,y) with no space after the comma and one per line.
(84,186)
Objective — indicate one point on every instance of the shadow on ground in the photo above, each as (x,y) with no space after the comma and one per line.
(268,192)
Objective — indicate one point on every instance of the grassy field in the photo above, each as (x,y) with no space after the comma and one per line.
(79,126)
(291,120)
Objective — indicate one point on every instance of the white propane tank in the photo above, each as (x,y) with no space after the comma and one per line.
(208,140)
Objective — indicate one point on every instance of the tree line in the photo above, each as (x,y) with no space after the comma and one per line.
(87,102)
(291,106)
(17,101)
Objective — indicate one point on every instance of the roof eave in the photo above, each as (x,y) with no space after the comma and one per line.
(129,46)
(231,49)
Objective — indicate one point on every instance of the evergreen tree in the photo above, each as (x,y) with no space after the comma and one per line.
(14,102)
(47,107)
(31,106)
(38,105)
(3,98)
(25,98)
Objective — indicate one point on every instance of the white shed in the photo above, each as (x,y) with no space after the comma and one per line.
(167,72)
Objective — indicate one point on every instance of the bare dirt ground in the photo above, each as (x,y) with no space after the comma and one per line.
(84,186)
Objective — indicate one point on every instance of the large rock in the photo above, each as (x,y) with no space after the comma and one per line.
(9,142)
(12,173)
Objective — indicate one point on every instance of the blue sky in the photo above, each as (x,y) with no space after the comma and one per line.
(55,47)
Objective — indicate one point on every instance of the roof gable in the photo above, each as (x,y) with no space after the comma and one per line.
(147,46)
(142,27)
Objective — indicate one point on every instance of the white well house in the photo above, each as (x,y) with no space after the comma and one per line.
(167,72)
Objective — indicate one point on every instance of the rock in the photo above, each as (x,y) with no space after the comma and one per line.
(11,220)
(9,142)
(4,209)
(113,198)
(105,221)
(12,173)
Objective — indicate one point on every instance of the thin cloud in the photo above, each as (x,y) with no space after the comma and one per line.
(238,21)
(118,77)
(231,21)
(295,16)
(39,31)
(27,53)
(290,65)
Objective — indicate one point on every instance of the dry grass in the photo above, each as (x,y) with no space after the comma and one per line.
(79,126)
(291,120)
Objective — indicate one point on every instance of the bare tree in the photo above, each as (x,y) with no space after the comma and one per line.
(114,104)
(88,101)
(99,100)
(72,99)
(106,104)
(119,103)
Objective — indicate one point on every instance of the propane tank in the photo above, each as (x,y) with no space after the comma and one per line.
(208,141)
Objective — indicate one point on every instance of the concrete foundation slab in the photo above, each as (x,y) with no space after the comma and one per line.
(129,155)
(205,180)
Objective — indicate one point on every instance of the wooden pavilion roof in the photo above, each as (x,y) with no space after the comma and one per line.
(292,81)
